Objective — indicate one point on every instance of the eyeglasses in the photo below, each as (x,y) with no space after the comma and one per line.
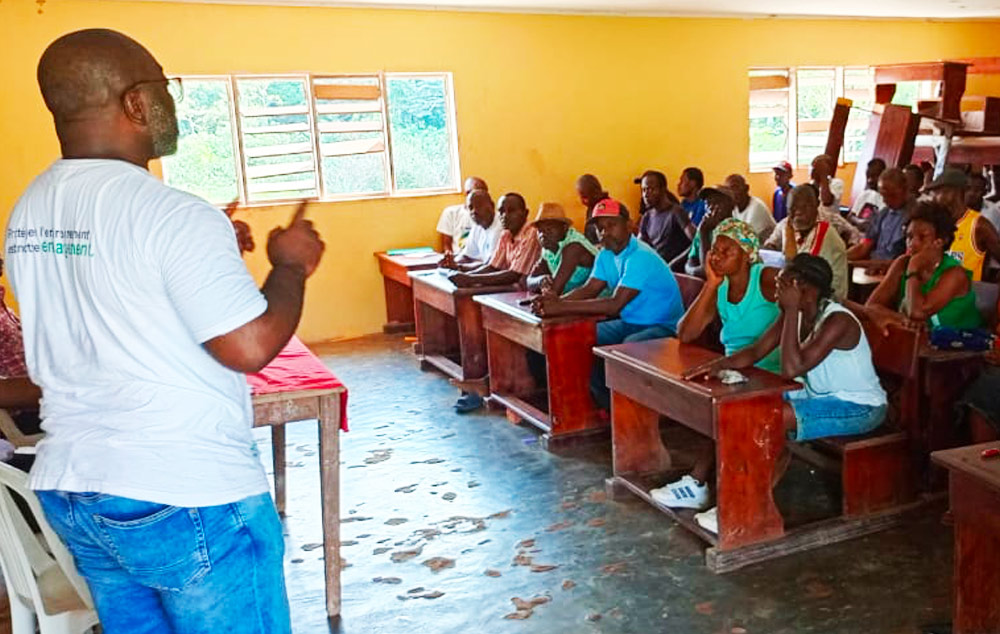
(174,86)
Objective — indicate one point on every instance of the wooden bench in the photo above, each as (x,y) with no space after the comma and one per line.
(875,468)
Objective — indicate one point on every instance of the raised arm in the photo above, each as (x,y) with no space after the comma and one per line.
(703,310)
(295,252)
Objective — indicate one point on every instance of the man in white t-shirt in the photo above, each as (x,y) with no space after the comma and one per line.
(750,209)
(140,319)
(483,237)
(456,221)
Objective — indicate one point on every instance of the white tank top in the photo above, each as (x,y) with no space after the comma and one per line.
(848,375)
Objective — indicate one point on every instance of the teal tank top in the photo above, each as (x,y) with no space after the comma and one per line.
(554,259)
(745,322)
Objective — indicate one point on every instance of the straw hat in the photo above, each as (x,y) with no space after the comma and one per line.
(552,211)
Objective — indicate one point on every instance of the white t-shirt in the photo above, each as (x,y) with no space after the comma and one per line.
(120,280)
(757,216)
(481,242)
(870,198)
(455,221)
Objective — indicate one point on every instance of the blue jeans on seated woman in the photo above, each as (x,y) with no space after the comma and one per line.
(825,416)
(617,331)
(153,568)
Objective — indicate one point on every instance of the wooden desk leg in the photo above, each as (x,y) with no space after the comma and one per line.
(635,437)
(569,358)
(750,438)
(329,474)
(436,331)
(977,556)
(508,367)
(278,459)
(398,306)
(472,338)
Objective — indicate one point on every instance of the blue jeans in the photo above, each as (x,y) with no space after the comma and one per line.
(153,568)
(825,416)
(617,331)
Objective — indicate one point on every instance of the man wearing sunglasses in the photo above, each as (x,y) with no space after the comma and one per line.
(140,318)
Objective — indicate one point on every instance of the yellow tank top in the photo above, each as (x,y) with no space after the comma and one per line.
(964,248)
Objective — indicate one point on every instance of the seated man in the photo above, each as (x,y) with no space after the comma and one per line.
(646,301)
(483,237)
(926,284)
(914,180)
(666,225)
(567,255)
(975,199)
(830,190)
(517,251)
(455,223)
(975,238)
(750,209)
(589,189)
(884,238)
(688,188)
(783,186)
(868,202)
(720,204)
(805,231)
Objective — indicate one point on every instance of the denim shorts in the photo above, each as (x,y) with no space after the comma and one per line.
(825,416)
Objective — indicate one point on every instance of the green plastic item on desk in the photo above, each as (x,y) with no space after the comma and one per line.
(413,251)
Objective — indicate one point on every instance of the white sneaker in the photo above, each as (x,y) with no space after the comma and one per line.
(686,493)
(709,520)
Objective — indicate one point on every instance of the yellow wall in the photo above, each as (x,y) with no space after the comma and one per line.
(540,99)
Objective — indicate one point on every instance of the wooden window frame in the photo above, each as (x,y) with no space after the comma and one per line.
(391,191)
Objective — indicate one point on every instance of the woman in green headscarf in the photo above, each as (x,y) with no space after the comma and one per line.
(743,293)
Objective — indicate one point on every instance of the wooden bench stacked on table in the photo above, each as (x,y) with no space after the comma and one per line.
(450,335)
(975,505)
(297,386)
(745,420)
(396,271)
(563,408)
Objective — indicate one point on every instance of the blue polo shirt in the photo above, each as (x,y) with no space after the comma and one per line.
(696,209)
(640,268)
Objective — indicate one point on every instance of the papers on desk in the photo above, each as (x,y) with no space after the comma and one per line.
(772,258)
(415,252)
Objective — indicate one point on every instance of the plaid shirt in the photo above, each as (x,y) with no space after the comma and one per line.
(11,342)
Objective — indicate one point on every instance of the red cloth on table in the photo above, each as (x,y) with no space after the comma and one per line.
(294,369)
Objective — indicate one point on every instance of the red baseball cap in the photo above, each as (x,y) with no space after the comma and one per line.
(609,208)
(783,166)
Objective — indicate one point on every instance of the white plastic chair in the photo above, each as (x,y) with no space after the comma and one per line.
(41,580)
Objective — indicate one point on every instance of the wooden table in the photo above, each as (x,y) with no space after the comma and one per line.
(745,420)
(975,504)
(562,408)
(450,335)
(395,271)
(274,410)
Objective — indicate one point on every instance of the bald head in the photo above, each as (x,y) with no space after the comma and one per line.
(589,189)
(108,97)
(473,183)
(90,69)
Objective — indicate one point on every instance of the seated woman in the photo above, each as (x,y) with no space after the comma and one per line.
(925,284)
(822,343)
(567,255)
(742,292)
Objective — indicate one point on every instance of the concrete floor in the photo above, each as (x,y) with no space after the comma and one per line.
(419,482)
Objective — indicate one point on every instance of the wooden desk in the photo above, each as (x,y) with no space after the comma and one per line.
(746,423)
(395,271)
(975,504)
(565,410)
(450,335)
